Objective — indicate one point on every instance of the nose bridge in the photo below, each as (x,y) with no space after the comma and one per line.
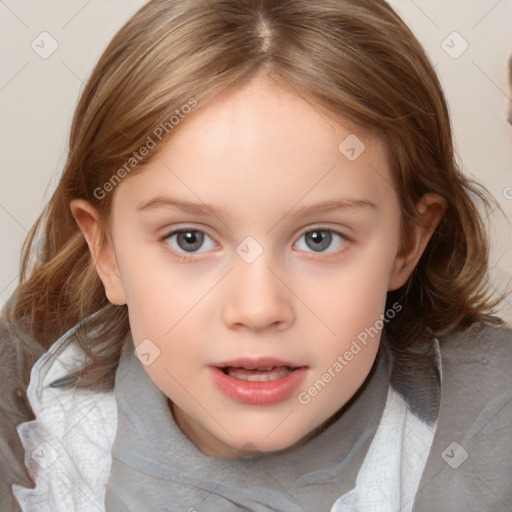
(256,298)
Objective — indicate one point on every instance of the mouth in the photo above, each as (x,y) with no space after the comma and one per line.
(258,381)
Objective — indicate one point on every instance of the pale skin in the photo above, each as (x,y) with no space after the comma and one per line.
(259,155)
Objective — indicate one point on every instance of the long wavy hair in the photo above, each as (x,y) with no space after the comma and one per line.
(356,58)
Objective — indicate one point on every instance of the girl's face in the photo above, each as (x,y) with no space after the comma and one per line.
(254,255)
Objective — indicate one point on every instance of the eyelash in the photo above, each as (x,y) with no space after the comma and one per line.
(181,257)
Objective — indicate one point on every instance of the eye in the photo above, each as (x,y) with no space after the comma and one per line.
(185,241)
(319,239)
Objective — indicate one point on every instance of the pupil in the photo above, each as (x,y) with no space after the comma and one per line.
(321,240)
(190,240)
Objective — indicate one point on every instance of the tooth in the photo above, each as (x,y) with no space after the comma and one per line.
(274,373)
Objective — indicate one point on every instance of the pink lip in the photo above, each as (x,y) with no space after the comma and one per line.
(257,393)
(252,363)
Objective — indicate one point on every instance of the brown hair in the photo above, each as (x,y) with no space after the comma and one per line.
(355,58)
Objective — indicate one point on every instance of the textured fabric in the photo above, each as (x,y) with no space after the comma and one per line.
(389,477)
(67,447)
(470,464)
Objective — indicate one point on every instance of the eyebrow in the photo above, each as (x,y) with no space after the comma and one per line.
(208,210)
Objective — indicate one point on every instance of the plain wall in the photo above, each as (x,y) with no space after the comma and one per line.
(38,96)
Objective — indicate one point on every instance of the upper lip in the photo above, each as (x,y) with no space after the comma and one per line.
(255,363)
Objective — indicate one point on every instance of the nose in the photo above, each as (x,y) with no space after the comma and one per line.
(257,299)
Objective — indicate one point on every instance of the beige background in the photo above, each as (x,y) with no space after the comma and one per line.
(37,98)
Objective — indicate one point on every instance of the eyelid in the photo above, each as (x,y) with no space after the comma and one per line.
(176,228)
(323,227)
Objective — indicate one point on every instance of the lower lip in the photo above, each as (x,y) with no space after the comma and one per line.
(258,393)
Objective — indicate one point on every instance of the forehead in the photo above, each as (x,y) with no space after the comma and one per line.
(265,144)
(263,112)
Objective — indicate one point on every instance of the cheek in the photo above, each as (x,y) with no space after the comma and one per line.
(159,292)
(352,307)
(165,309)
(169,305)
(352,296)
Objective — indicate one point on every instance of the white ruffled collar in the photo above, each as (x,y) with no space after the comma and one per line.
(67,447)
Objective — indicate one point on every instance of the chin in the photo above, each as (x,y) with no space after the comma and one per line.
(264,443)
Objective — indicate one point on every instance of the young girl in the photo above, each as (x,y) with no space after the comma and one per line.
(263,280)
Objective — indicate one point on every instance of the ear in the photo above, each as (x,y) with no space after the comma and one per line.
(88,220)
(431,207)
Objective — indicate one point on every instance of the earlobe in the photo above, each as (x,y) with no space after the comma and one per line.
(431,207)
(103,254)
